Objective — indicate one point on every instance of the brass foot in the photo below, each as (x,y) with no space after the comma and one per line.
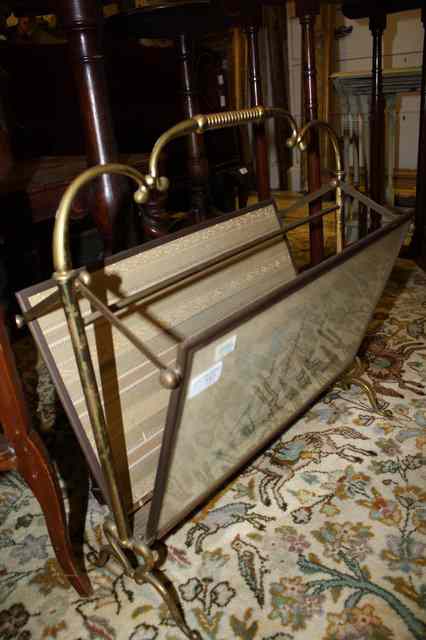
(138,562)
(353,377)
(169,596)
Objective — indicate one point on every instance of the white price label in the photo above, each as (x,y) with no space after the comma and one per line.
(225,347)
(205,380)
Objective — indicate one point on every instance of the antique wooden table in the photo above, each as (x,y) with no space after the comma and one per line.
(376,12)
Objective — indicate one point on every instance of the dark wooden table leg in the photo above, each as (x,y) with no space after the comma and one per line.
(197,158)
(377,116)
(259,130)
(32,462)
(275,21)
(82,21)
(307,10)
(418,243)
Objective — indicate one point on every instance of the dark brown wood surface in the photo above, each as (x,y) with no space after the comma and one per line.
(198,168)
(82,22)
(377,114)
(307,10)
(182,20)
(275,22)
(256,96)
(356,9)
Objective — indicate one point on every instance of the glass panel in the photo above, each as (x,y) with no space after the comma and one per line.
(243,386)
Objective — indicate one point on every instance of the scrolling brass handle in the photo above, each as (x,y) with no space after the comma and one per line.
(65,275)
(200,124)
(321,124)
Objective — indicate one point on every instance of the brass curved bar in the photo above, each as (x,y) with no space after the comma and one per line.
(183,128)
(321,124)
(61,253)
(169,378)
(209,122)
(278,112)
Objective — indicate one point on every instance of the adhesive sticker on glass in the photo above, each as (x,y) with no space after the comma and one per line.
(205,380)
(225,347)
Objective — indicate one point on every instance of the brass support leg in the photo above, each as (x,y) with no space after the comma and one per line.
(353,377)
(143,571)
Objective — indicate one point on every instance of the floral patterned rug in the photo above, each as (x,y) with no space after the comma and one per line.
(329,545)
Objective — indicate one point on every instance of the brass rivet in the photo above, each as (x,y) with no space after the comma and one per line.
(141,195)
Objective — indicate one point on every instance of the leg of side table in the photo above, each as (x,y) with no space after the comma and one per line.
(32,462)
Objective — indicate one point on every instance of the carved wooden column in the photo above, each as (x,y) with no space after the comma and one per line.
(418,244)
(82,21)
(307,10)
(256,96)
(197,159)
(377,115)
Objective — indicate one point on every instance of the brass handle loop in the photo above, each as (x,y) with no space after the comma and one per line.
(321,124)
(208,122)
(340,174)
(61,250)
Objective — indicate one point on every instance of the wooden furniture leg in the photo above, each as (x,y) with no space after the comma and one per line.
(259,130)
(418,244)
(21,449)
(275,21)
(239,66)
(377,116)
(197,158)
(307,10)
(82,22)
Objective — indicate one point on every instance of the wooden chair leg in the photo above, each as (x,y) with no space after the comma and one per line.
(418,243)
(256,98)
(38,472)
(307,10)
(32,462)
(377,116)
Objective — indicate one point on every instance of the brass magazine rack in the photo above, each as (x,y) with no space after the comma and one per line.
(181,359)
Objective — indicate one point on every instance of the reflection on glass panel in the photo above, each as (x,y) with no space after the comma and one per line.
(243,386)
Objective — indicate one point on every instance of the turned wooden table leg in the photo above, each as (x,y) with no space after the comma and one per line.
(259,130)
(197,158)
(377,117)
(307,10)
(82,20)
(32,462)
(418,243)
